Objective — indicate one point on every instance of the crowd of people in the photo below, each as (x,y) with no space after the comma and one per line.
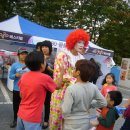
(62,86)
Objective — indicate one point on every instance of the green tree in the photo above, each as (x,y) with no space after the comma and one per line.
(55,14)
(92,14)
(114,34)
(6,9)
(25,8)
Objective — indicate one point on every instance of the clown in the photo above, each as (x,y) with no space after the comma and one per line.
(75,42)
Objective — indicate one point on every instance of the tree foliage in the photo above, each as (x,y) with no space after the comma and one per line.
(114,34)
(6,9)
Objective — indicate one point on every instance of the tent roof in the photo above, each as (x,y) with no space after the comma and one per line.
(18,24)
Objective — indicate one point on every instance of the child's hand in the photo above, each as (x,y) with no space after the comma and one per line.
(93,128)
(94,122)
(127,104)
(50,69)
(18,75)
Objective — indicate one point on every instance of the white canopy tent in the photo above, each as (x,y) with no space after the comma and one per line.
(17,31)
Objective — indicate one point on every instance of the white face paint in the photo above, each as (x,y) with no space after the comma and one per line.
(79,46)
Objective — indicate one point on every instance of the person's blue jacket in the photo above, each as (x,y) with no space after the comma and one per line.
(16,68)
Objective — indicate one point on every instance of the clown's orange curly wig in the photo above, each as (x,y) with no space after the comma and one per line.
(75,36)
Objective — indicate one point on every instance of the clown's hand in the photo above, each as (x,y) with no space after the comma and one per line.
(60,77)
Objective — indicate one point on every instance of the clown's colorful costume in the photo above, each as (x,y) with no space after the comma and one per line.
(67,60)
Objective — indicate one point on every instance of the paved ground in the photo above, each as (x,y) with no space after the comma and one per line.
(5,110)
(6,114)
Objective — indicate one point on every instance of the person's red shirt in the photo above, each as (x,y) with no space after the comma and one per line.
(105,89)
(33,86)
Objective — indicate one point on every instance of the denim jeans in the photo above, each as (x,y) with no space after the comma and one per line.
(24,125)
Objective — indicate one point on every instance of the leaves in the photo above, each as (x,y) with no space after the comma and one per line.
(114,34)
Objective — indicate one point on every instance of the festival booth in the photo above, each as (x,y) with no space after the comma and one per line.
(17,31)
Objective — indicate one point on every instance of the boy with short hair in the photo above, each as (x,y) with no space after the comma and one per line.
(33,86)
(109,114)
(16,71)
(78,98)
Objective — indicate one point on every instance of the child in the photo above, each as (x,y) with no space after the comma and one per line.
(33,86)
(126,125)
(79,98)
(16,71)
(109,114)
(109,84)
